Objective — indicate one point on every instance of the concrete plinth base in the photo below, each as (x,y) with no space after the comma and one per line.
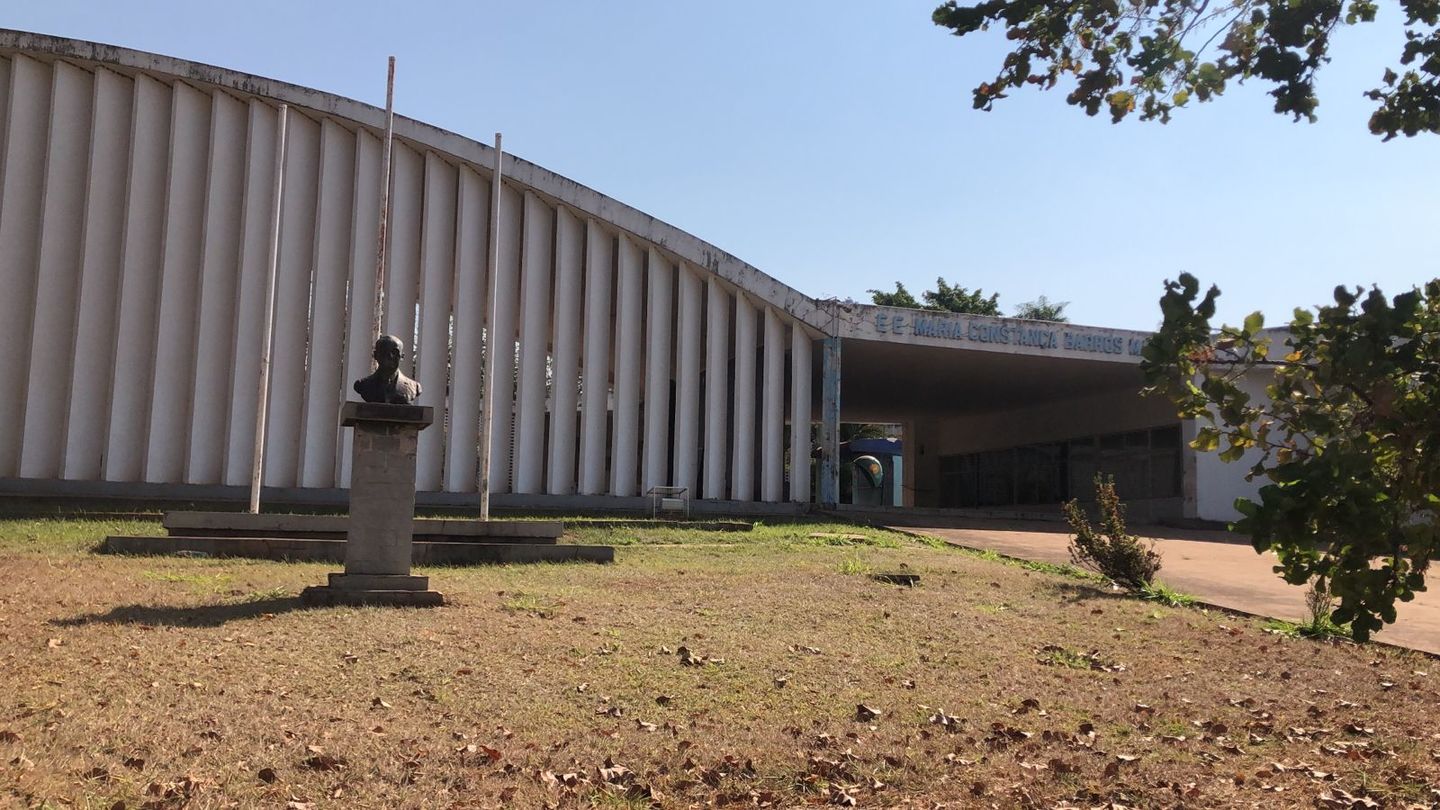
(380,582)
(297,550)
(327,596)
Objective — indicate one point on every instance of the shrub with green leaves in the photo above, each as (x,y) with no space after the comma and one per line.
(1110,549)
(1346,434)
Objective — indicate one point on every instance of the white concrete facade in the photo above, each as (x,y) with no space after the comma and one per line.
(134,220)
(135,210)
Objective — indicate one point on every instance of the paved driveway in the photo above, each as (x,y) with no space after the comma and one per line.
(1213,566)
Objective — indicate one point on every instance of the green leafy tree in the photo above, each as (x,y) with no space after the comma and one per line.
(944,298)
(900,298)
(958,299)
(1154,56)
(1346,437)
(1042,309)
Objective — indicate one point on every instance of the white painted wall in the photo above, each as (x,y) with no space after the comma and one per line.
(1218,484)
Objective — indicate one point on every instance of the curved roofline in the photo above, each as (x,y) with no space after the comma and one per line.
(681,244)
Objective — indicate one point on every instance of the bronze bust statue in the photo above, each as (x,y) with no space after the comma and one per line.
(387,384)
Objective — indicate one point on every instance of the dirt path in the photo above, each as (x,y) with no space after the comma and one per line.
(1212,566)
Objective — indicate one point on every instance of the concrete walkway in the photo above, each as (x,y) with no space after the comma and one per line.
(1213,566)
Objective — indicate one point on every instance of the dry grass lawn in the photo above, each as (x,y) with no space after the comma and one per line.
(702,669)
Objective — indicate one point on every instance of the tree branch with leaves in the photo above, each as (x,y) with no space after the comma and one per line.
(1155,56)
(1346,435)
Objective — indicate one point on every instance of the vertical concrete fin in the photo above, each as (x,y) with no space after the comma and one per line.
(501,338)
(690,322)
(437,289)
(255,219)
(468,363)
(565,366)
(27,126)
(772,480)
(325,384)
(535,308)
(179,309)
(219,288)
(742,467)
(595,411)
(800,381)
(717,388)
(293,279)
(138,314)
(659,303)
(88,422)
(360,300)
(52,341)
(402,245)
(629,360)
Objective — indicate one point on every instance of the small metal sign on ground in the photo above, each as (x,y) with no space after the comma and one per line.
(669,499)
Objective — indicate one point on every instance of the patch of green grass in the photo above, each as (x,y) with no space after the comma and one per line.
(929,541)
(211,583)
(1064,657)
(853,566)
(1166,595)
(1062,570)
(266,595)
(533,604)
(1173,728)
(1324,629)
(1057,569)
(801,533)
(68,535)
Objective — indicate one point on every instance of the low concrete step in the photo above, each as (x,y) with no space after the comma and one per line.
(325,550)
(333,527)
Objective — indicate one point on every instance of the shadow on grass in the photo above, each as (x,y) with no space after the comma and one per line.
(201,616)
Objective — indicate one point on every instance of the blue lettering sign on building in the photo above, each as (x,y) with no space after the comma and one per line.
(985,330)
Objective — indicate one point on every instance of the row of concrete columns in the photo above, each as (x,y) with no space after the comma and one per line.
(135,211)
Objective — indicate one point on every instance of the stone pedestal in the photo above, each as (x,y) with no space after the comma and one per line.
(379,537)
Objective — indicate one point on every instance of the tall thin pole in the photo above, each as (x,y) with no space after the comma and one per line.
(493,348)
(257,463)
(384,202)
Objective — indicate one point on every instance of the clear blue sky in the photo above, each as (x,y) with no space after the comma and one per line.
(833,144)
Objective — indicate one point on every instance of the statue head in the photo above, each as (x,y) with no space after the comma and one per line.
(388,349)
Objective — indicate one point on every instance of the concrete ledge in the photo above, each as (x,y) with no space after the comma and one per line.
(209,495)
(322,596)
(379,582)
(311,550)
(334,527)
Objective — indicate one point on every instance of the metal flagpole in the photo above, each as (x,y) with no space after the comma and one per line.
(492,341)
(257,464)
(384,203)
